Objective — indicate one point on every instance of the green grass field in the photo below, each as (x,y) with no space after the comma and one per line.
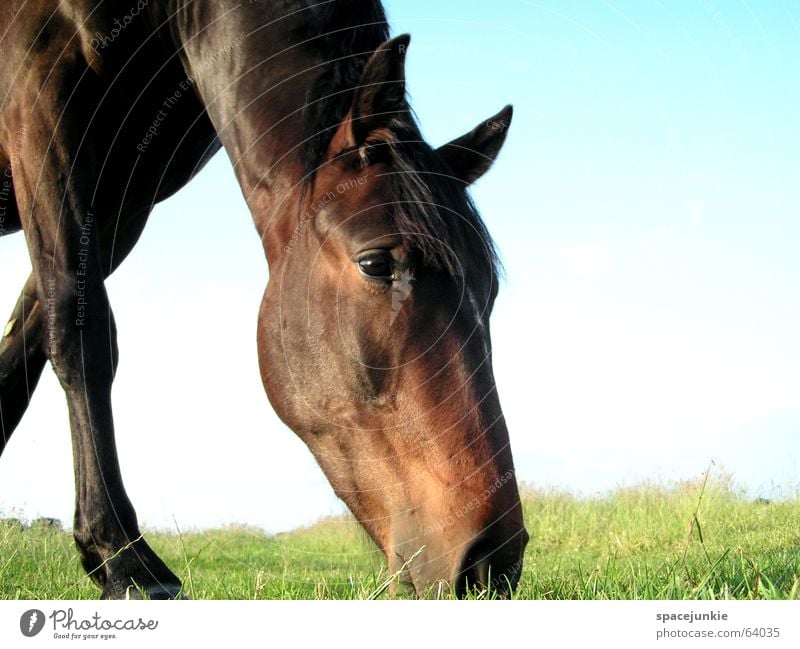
(637,543)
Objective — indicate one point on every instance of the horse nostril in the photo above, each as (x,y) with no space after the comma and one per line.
(486,569)
(476,569)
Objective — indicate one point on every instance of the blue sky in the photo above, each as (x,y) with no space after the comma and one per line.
(647,209)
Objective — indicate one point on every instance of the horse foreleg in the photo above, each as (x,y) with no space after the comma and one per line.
(80,333)
(56,185)
(22,356)
(22,360)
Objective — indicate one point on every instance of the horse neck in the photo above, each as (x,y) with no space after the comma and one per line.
(253,77)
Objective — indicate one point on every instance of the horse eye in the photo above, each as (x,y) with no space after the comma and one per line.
(378,266)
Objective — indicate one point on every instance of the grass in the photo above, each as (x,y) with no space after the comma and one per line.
(686,541)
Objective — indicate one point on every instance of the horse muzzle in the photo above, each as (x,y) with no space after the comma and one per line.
(488,563)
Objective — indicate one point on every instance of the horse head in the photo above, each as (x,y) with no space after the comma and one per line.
(374,339)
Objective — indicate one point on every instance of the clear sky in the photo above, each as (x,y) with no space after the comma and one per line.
(647,208)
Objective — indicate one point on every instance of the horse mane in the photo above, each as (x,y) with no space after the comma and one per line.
(345,34)
(432,209)
(429,206)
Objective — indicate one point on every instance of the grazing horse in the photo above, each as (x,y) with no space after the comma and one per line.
(373,332)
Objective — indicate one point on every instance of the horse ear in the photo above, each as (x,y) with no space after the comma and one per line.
(471,155)
(381,92)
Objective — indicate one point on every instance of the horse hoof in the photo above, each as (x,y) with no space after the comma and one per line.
(165,592)
(159,591)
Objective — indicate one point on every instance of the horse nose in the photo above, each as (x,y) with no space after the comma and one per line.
(491,567)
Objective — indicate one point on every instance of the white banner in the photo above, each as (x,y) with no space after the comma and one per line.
(400,624)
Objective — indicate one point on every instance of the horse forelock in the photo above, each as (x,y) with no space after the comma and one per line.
(428,206)
(434,213)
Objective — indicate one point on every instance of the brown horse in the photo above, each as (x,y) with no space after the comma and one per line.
(373,334)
